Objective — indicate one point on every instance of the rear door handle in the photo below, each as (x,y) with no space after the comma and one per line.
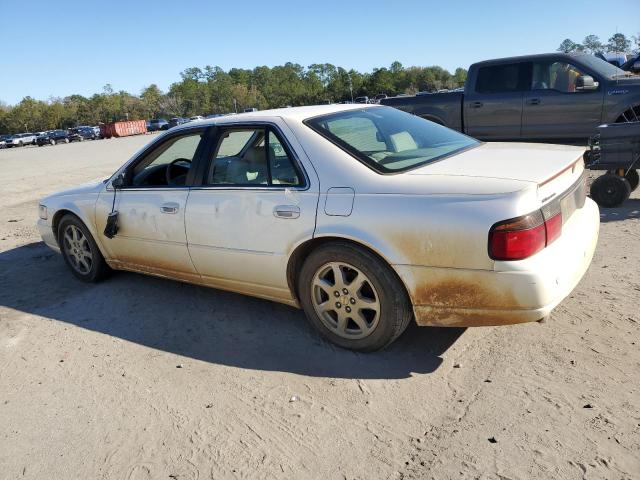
(286,211)
(170,207)
(476,104)
(534,101)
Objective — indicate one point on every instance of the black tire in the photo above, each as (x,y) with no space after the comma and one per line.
(98,268)
(632,178)
(395,306)
(610,190)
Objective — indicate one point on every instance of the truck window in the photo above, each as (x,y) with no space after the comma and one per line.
(498,78)
(559,76)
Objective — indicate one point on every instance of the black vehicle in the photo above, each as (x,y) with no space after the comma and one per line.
(53,137)
(551,97)
(632,65)
(79,134)
(156,124)
(175,121)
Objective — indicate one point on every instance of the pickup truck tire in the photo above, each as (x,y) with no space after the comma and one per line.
(632,178)
(610,190)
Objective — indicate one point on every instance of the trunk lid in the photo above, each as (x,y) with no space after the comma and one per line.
(553,168)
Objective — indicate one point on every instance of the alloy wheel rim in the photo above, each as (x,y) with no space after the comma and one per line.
(77,249)
(345,300)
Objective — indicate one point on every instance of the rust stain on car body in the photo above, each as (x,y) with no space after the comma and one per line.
(464,298)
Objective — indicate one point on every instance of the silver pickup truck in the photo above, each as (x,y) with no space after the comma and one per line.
(551,97)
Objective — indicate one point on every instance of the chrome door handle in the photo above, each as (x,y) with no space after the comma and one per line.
(170,207)
(286,211)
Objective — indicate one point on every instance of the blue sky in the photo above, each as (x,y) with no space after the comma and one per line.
(78,47)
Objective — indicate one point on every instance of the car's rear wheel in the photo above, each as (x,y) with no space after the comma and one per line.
(610,190)
(52,141)
(66,140)
(80,251)
(353,298)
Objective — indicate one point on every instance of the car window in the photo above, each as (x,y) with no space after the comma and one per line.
(559,76)
(498,78)
(389,140)
(252,156)
(281,166)
(168,164)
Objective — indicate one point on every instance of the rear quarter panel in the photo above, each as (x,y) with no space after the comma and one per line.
(442,108)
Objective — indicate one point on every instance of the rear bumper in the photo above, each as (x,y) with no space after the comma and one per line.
(514,292)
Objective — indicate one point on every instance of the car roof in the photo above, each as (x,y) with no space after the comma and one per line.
(296,114)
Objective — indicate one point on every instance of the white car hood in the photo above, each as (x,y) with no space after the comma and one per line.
(94,186)
(525,162)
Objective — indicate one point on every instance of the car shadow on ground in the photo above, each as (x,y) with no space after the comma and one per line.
(629,209)
(203,323)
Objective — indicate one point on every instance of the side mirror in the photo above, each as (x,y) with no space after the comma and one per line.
(585,83)
(118,182)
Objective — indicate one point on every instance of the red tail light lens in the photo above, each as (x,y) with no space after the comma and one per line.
(522,237)
(553,227)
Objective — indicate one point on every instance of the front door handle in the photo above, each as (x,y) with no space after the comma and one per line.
(170,207)
(534,101)
(286,211)
(476,104)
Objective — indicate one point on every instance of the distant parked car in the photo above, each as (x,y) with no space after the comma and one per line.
(632,65)
(53,137)
(196,117)
(364,99)
(157,124)
(175,121)
(3,141)
(20,139)
(380,96)
(78,134)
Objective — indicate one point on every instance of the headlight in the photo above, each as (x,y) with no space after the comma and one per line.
(42,211)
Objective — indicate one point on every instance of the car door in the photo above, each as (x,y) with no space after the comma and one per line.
(555,108)
(493,107)
(256,202)
(151,208)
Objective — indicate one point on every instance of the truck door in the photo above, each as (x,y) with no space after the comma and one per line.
(493,105)
(555,108)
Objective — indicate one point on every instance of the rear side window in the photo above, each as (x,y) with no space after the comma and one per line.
(498,78)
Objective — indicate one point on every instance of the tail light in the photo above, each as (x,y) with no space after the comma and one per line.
(524,236)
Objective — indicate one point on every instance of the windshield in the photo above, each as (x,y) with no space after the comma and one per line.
(602,67)
(389,140)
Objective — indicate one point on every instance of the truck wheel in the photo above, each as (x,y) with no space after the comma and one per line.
(610,190)
(632,178)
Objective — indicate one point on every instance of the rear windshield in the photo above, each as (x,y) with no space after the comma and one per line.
(389,140)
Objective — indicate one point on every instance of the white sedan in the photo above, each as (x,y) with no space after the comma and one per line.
(366,217)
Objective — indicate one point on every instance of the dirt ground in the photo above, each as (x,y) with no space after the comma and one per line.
(142,378)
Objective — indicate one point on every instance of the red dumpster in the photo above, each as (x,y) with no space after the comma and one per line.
(123,129)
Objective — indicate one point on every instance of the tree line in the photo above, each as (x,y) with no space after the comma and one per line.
(618,42)
(208,90)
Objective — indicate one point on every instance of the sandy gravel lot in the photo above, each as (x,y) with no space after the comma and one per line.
(142,378)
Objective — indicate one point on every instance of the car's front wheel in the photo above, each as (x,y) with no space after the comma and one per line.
(52,141)
(353,298)
(80,251)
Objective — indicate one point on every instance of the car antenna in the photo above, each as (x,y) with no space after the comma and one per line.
(111,228)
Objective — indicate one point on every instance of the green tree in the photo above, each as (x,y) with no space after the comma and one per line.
(592,44)
(568,46)
(618,43)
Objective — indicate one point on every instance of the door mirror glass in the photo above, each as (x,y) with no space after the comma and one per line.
(586,82)
(118,182)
